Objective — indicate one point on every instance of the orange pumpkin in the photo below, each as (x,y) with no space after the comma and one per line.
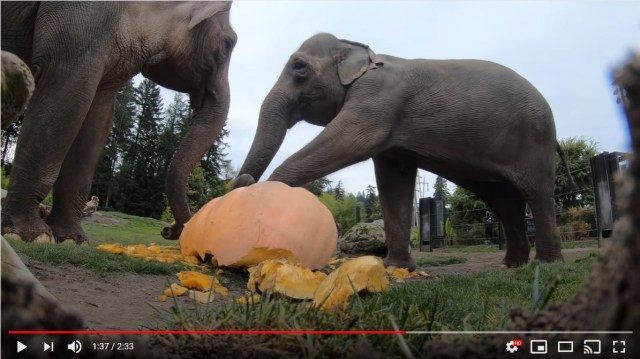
(263,221)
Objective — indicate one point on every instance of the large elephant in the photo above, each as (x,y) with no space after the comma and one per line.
(476,123)
(80,54)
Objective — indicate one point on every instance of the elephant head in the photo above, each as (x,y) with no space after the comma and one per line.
(196,61)
(312,87)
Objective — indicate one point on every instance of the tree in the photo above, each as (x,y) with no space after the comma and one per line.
(372,208)
(144,171)
(343,210)
(441,190)
(318,186)
(338,191)
(9,139)
(104,181)
(578,151)
(466,213)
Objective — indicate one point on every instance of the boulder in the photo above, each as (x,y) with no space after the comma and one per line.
(91,206)
(365,239)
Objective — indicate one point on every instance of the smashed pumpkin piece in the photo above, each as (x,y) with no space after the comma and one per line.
(403,273)
(164,254)
(201,297)
(115,248)
(175,290)
(162,298)
(249,299)
(285,276)
(202,282)
(363,273)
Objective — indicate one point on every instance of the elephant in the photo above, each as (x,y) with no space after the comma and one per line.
(476,123)
(80,54)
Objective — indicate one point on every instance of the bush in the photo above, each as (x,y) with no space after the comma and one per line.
(415,237)
(576,223)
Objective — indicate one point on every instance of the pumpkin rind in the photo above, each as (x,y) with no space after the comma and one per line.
(259,222)
(362,273)
(287,277)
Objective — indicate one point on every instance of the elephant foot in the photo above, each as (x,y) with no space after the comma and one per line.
(510,262)
(28,229)
(172,232)
(549,257)
(408,263)
(69,233)
(244,180)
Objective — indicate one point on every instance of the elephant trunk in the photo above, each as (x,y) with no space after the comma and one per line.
(208,120)
(275,119)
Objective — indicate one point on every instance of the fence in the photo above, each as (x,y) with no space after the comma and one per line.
(574,223)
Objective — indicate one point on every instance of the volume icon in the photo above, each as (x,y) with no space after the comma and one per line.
(75,347)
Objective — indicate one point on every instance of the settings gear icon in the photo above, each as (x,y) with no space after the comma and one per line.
(511,347)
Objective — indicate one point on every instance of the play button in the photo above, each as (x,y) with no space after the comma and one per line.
(21,347)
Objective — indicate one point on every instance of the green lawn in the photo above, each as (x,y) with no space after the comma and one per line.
(137,230)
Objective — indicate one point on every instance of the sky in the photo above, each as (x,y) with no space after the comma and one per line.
(566,49)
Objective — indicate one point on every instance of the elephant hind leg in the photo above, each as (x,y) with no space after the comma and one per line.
(509,206)
(548,242)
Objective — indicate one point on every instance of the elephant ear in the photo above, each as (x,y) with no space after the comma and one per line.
(204,10)
(354,60)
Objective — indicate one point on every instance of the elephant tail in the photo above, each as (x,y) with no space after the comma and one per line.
(563,158)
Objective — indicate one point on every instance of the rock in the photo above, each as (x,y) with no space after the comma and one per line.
(91,206)
(365,239)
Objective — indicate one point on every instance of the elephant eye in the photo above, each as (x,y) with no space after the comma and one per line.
(300,67)
(227,45)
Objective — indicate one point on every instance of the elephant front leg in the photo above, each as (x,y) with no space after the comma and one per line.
(396,184)
(51,122)
(71,190)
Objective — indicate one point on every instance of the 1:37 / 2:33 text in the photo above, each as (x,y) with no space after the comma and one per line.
(112,346)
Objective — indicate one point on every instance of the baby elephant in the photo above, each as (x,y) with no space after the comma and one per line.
(475,123)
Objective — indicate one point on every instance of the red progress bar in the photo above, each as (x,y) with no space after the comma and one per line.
(206,332)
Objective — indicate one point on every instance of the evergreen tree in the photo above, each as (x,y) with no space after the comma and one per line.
(441,190)
(338,191)
(104,182)
(142,177)
(318,186)
(372,208)
(9,139)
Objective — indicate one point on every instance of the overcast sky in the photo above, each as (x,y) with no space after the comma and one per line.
(564,48)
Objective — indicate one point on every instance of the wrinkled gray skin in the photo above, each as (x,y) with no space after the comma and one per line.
(80,54)
(476,123)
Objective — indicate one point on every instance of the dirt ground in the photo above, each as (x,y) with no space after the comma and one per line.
(128,301)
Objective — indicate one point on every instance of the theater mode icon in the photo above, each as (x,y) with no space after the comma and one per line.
(565,346)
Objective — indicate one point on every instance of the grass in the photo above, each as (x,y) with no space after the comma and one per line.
(439,261)
(136,230)
(92,258)
(476,302)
